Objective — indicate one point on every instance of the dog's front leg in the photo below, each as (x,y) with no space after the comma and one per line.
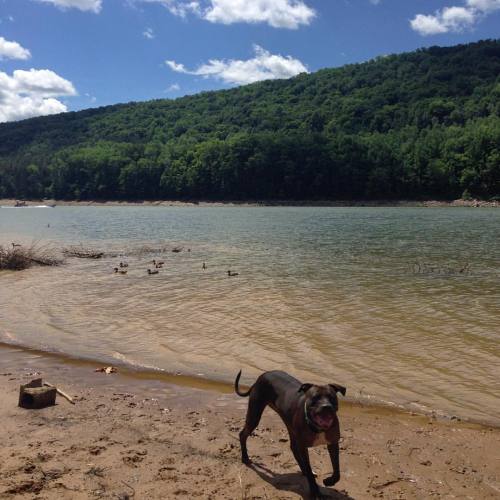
(333,450)
(301,454)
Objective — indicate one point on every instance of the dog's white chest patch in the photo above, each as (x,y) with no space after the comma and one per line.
(320,439)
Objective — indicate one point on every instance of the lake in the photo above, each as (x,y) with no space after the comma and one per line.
(401,305)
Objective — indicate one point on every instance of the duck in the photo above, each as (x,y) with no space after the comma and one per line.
(204,266)
(120,271)
(123,264)
(158,263)
(153,272)
(231,273)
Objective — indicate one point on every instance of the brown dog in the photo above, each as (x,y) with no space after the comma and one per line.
(309,413)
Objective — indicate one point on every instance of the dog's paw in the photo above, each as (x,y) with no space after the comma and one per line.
(332,480)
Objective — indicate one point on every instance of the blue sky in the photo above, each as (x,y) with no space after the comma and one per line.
(58,55)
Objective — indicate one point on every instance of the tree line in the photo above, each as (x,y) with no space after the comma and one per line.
(425,124)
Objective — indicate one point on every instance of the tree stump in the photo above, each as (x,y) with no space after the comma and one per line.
(34,396)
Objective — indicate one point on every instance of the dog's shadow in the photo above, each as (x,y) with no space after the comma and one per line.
(294,482)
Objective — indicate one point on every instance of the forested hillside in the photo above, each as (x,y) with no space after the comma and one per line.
(425,124)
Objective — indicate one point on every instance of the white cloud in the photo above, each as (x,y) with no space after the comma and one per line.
(180,68)
(179,8)
(84,5)
(182,9)
(173,88)
(12,50)
(453,19)
(148,33)
(277,13)
(484,5)
(32,93)
(43,82)
(428,24)
(264,66)
(458,18)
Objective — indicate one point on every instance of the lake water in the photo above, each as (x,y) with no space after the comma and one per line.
(401,305)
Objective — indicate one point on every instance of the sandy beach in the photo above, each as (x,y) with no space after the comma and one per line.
(136,437)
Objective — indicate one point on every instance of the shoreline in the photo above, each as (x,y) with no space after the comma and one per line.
(156,439)
(260,203)
(191,381)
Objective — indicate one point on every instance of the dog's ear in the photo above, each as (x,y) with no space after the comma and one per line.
(305,387)
(338,388)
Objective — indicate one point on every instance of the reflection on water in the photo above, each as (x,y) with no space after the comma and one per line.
(334,294)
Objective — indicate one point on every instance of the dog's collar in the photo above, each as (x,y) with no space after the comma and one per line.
(309,422)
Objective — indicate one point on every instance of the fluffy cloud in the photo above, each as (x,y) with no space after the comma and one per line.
(453,19)
(12,50)
(264,66)
(32,93)
(277,13)
(85,5)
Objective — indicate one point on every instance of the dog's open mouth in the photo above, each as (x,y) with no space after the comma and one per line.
(323,418)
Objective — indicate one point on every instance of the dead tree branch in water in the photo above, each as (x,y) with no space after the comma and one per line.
(425,268)
(81,252)
(20,257)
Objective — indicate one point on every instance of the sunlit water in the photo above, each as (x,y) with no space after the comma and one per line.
(400,305)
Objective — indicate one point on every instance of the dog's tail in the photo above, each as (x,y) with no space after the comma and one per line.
(237,389)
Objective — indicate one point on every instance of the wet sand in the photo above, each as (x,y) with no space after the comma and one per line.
(131,437)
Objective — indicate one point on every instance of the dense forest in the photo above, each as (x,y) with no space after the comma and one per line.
(424,124)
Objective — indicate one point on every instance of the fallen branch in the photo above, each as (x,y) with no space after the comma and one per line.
(82,253)
(61,393)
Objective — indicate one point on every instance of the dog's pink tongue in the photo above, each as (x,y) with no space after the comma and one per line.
(324,421)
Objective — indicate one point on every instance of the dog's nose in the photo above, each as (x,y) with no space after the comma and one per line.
(326,406)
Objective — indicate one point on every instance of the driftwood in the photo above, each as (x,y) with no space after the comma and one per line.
(82,253)
(38,394)
(60,392)
(34,396)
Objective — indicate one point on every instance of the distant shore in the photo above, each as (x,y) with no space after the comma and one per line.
(129,437)
(259,203)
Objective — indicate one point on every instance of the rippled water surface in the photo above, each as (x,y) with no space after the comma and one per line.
(399,304)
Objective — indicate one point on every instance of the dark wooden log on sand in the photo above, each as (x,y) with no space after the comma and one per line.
(35,396)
